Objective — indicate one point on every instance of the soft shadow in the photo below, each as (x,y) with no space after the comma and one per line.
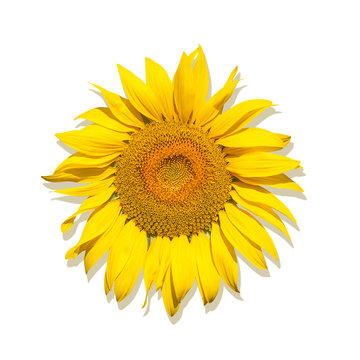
(110,295)
(61,185)
(210,82)
(70,233)
(68,149)
(84,123)
(232,99)
(275,230)
(174,319)
(261,272)
(71,199)
(100,263)
(289,192)
(213,305)
(76,261)
(124,303)
(286,192)
(98,93)
(286,150)
(273,260)
(263,116)
(151,293)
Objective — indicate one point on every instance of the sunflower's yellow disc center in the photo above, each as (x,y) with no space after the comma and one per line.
(172,179)
(174,172)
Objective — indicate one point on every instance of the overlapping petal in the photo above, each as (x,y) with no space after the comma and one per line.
(98,223)
(156,263)
(104,117)
(88,190)
(214,105)
(81,175)
(280,181)
(260,164)
(184,88)
(246,247)
(263,211)
(159,82)
(80,161)
(102,244)
(253,138)
(140,95)
(260,196)
(88,204)
(224,257)
(251,228)
(94,140)
(207,277)
(182,266)
(121,108)
(127,277)
(237,117)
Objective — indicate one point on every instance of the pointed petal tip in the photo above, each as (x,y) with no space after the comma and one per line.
(146,297)
(106,288)
(65,227)
(71,254)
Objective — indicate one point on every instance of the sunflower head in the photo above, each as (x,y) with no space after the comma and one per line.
(172,179)
(175,184)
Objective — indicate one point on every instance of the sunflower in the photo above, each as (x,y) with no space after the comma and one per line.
(175,184)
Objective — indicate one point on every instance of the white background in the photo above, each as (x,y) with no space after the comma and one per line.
(303,56)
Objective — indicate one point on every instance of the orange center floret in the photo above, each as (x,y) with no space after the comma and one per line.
(173,172)
(172,179)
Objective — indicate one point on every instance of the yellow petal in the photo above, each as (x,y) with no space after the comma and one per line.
(260,164)
(103,243)
(248,249)
(251,228)
(104,117)
(215,104)
(81,175)
(234,119)
(126,280)
(99,221)
(259,195)
(207,276)
(151,266)
(281,181)
(184,88)
(88,190)
(80,161)
(253,138)
(165,258)
(140,95)
(201,81)
(182,266)
(159,82)
(121,109)
(94,140)
(88,204)
(119,254)
(168,294)
(234,151)
(224,257)
(262,211)
(156,255)
(285,138)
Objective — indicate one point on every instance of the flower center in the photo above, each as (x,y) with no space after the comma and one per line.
(174,172)
(172,179)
